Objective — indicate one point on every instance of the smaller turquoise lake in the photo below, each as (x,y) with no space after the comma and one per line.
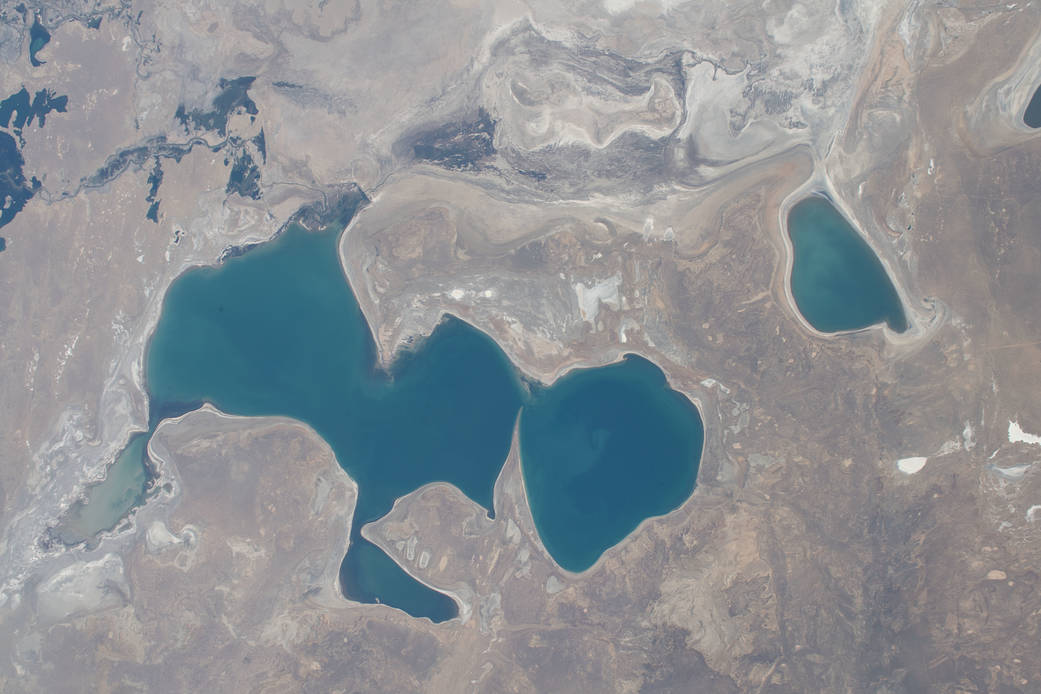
(837,281)
(602,450)
(1032,116)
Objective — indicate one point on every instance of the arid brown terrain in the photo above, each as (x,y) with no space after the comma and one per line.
(579,181)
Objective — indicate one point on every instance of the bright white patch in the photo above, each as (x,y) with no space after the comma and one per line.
(513,533)
(712,383)
(910,466)
(159,536)
(648,226)
(968,436)
(949,447)
(1013,473)
(30,370)
(618,6)
(83,587)
(457,294)
(63,358)
(627,324)
(590,298)
(1032,512)
(1017,435)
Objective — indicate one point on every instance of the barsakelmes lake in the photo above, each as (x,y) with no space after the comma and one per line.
(603,449)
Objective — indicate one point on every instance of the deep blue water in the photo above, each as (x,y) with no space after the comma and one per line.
(18,112)
(15,191)
(232,97)
(276,330)
(837,280)
(602,450)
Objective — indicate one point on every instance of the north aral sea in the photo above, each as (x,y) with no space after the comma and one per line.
(278,331)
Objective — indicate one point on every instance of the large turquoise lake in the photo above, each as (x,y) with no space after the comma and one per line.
(277,331)
(837,281)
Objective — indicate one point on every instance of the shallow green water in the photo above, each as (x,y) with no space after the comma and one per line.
(108,501)
(602,450)
(837,281)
